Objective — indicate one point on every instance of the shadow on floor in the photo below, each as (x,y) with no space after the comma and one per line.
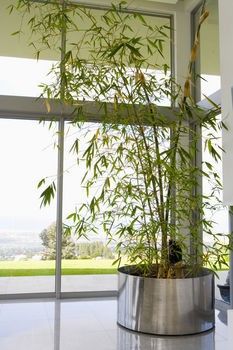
(222,307)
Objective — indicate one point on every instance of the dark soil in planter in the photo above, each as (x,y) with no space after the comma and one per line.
(152,272)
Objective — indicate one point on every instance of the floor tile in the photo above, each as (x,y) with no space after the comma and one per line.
(88,325)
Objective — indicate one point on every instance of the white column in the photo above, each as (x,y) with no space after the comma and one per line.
(226,67)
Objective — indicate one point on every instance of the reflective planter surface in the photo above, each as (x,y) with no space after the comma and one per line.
(166,306)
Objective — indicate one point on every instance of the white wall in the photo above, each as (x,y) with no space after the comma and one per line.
(226,64)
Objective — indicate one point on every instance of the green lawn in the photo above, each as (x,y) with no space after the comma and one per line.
(69,267)
(47,267)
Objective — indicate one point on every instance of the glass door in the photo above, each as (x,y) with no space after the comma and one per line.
(27,259)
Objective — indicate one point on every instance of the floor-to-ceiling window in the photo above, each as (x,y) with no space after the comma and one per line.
(87,261)
(31,149)
(209,83)
(27,155)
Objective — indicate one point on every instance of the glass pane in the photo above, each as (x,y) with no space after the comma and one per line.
(87,262)
(88,48)
(87,259)
(23,45)
(217,212)
(209,69)
(20,72)
(22,48)
(33,73)
(27,155)
(209,51)
(123,25)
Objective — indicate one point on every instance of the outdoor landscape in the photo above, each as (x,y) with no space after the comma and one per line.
(33,254)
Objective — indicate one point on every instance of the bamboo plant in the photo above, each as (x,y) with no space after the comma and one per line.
(141,156)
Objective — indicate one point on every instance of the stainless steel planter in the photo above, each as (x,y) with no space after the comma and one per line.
(166,306)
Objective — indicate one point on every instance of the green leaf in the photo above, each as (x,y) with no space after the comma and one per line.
(41,182)
(16,33)
(48,194)
(211,102)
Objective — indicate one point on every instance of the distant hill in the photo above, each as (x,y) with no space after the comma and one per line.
(15,243)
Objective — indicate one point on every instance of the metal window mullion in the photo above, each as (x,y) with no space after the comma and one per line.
(196,132)
(231,255)
(59,221)
(102,7)
(172,49)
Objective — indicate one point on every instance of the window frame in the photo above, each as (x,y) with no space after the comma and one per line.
(30,108)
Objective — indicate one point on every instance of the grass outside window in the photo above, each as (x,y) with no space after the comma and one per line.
(47,267)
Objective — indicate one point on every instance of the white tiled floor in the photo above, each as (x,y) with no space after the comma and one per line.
(88,325)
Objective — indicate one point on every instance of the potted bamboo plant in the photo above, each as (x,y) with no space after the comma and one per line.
(142,160)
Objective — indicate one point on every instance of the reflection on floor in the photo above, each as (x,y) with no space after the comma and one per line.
(88,325)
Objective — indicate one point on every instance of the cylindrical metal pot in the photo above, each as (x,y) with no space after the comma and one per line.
(166,306)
